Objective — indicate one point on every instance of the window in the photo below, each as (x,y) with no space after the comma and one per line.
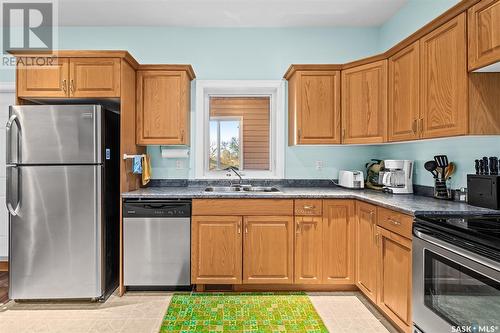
(225,143)
(239,124)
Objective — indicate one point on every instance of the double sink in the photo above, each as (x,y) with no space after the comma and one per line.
(241,188)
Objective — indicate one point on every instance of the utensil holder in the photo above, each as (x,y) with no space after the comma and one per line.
(441,190)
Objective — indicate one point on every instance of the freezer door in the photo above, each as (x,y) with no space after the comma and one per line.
(54,134)
(55,231)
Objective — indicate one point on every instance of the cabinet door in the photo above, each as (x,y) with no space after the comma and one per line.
(268,249)
(484,33)
(338,241)
(162,107)
(366,249)
(444,80)
(216,250)
(404,97)
(364,103)
(48,80)
(394,297)
(308,249)
(318,113)
(94,77)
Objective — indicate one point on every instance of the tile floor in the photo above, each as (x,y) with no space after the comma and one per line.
(142,312)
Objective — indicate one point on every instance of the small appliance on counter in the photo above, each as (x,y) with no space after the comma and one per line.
(351,179)
(484,186)
(397,176)
(373,179)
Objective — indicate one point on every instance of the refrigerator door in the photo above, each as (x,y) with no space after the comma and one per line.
(54,134)
(55,231)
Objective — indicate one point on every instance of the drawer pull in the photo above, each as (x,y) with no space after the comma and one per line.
(308,206)
(394,221)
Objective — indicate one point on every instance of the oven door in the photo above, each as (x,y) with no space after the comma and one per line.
(454,290)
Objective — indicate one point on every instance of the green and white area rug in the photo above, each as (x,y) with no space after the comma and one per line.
(242,312)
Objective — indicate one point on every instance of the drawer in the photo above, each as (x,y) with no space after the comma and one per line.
(308,207)
(395,222)
(243,207)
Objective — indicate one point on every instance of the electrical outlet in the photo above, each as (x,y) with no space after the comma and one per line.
(319,165)
(179,165)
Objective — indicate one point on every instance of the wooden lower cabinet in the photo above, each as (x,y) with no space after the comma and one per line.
(216,246)
(366,249)
(268,249)
(395,280)
(338,242)
(308,249)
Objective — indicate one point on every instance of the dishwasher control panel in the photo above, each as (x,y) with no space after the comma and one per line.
(157,208)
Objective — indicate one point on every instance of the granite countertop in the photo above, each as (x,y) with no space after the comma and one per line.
(405,203)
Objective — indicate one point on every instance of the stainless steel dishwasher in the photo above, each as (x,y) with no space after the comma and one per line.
(157,243)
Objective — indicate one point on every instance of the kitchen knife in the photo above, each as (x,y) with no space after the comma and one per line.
(485,165)
(493,165)
(481,167)
(476,166)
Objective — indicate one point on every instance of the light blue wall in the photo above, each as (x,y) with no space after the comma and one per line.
(460,150)
(265,53)
(411,17)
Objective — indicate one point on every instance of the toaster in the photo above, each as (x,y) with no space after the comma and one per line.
(351,179)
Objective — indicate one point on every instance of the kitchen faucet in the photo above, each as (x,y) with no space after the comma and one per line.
(235,170)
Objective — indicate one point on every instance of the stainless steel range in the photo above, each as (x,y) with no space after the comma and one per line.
(456,274)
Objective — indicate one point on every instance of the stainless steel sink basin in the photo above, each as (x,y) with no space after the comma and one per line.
(261,189)
(223,189)
(241,189)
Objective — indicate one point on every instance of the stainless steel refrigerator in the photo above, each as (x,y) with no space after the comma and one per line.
(62,194)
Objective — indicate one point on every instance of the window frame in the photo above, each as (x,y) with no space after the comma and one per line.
(240,88)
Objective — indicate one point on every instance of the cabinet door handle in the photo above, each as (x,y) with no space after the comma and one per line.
(64,86)
(297,230)
(246,227)
(182,135)
(72,86)
(343,134)
(239,227)
(377,239)
(414,126)
(421,127)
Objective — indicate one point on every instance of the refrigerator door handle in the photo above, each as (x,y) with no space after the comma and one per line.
(8,191)
(8,152)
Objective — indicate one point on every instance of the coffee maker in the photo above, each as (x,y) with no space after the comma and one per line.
(397,176)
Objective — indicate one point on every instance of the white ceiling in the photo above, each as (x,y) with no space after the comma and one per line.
(227,13)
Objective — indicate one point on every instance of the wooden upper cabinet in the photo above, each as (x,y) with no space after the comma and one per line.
(484,33)
(444,80)
(94,77)
(163,102)
(268,249)
(338,241)
(216,247)
(395,280)
(366,249)
(364,103)
(403,95)
(308,249)
(49,80)
(314,107)
(70,77)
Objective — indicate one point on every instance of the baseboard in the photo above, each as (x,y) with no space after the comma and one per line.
(277,287)
(4,266)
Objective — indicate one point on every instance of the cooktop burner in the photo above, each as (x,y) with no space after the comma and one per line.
(480,229)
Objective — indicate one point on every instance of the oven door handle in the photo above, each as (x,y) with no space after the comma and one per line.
(457,250)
